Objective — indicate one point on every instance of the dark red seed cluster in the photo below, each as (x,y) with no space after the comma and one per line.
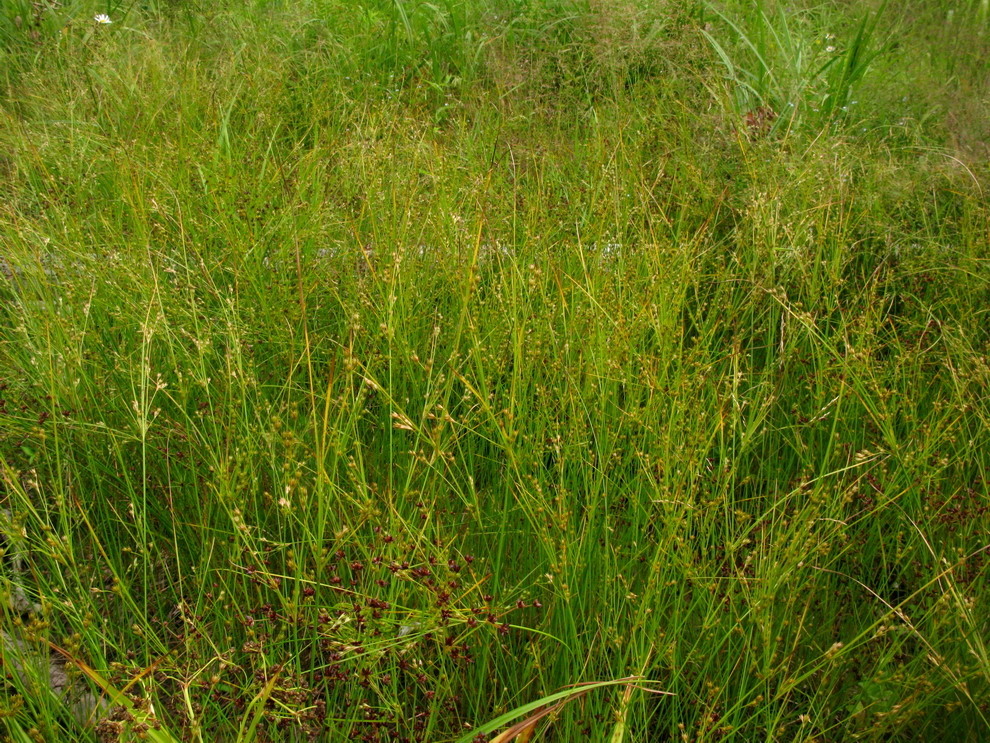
(377,620)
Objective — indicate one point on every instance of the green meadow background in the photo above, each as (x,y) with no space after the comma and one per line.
(392,370)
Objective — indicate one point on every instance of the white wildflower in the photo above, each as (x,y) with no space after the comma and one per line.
(102,18)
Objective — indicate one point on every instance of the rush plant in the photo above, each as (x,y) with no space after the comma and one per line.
(397,371)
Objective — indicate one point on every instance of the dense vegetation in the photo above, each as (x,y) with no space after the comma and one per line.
(371,370)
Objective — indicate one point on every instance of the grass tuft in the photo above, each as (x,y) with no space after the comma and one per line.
(387,371)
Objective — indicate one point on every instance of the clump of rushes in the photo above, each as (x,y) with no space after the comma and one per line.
(387,375)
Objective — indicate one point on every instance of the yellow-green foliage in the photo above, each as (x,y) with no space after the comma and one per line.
(372,370)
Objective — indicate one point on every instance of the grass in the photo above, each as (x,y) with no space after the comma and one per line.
(466,370)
